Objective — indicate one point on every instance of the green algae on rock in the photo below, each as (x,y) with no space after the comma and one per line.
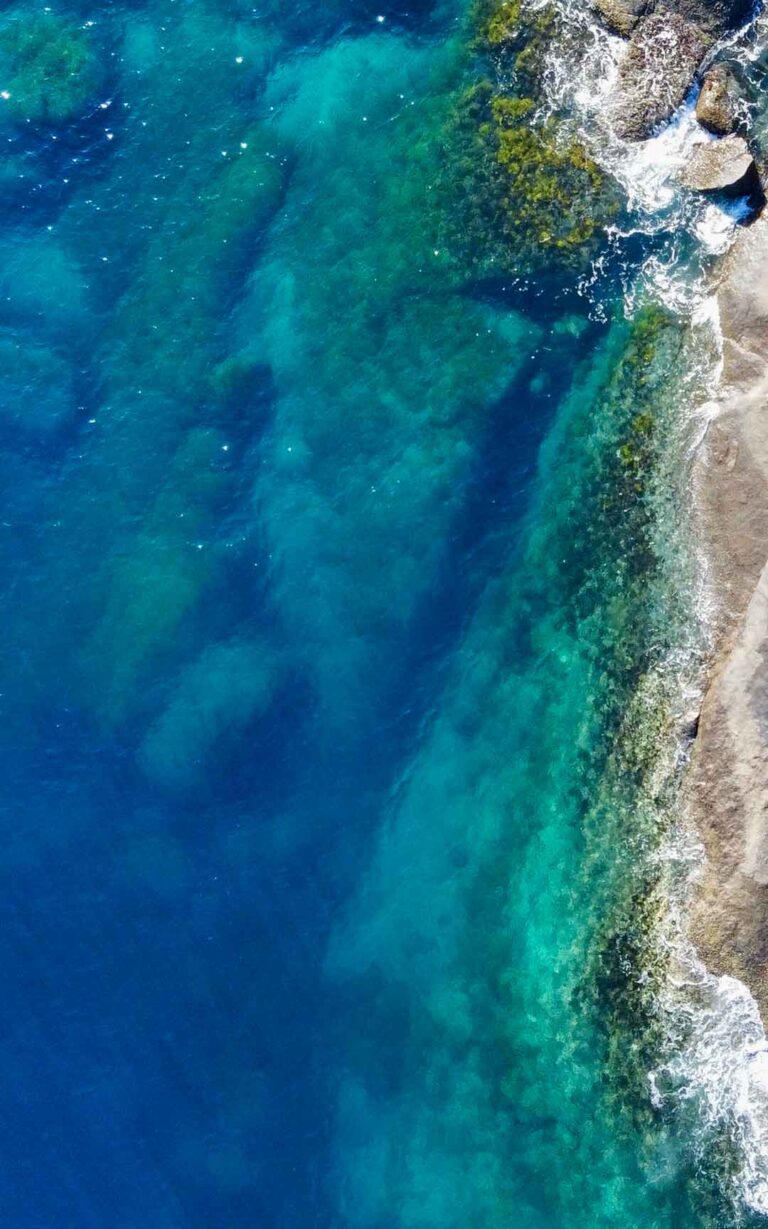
(525,194)
(49,68)
(496,22)
(515,36)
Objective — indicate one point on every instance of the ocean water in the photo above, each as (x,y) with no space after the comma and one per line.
(339,602)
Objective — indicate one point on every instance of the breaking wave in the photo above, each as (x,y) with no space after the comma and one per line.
(713,1074)
(682,230)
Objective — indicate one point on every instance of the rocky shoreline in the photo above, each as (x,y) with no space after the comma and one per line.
(670,44)
(727,787)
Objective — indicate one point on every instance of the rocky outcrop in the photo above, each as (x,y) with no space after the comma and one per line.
(728,783)
(621,16)
(725,166)
(655,75)
(667,44)
(714,17)
(716,106)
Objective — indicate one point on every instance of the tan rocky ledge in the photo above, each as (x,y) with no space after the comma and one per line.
(727,788)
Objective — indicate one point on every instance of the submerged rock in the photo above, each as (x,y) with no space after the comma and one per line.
(36,396)
(725,166)
(48,66)
(716,105)
(216,698)
(664,53)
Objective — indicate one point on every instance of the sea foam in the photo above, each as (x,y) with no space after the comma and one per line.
(713,1074)
(684,228)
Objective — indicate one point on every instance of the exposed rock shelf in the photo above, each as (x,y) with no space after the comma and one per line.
(725,166)
(728,783)
(664,53)
(716,105)
(667,45)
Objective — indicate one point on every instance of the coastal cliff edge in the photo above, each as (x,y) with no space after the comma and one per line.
(727,790)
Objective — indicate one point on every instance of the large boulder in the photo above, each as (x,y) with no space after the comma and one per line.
(655,75)
(621,16)
(725,166)
(667,43)
(713,17)
(716,107)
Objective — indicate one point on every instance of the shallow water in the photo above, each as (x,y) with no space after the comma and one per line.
(326,594)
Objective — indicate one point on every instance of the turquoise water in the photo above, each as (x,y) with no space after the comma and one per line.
(330,577)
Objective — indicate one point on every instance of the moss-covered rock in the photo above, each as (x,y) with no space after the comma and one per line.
(521,191)
(528,192)
(515,37)
(49,70)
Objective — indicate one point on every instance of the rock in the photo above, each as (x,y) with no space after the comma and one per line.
(667,43)
(621,16)
(727,789)
(50,67)
(664,53)
(725,166)
(712,16)
(716,105)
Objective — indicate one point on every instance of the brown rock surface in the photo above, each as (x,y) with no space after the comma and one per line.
(668,40)
(728,782)
(656,73)
(714,16)
(716,104)
(725,165)
(621,16)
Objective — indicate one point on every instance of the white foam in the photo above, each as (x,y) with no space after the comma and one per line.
(718,1068)
(714,1072)
(648,170)
(715,226)
(581,73)
(715,1069)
